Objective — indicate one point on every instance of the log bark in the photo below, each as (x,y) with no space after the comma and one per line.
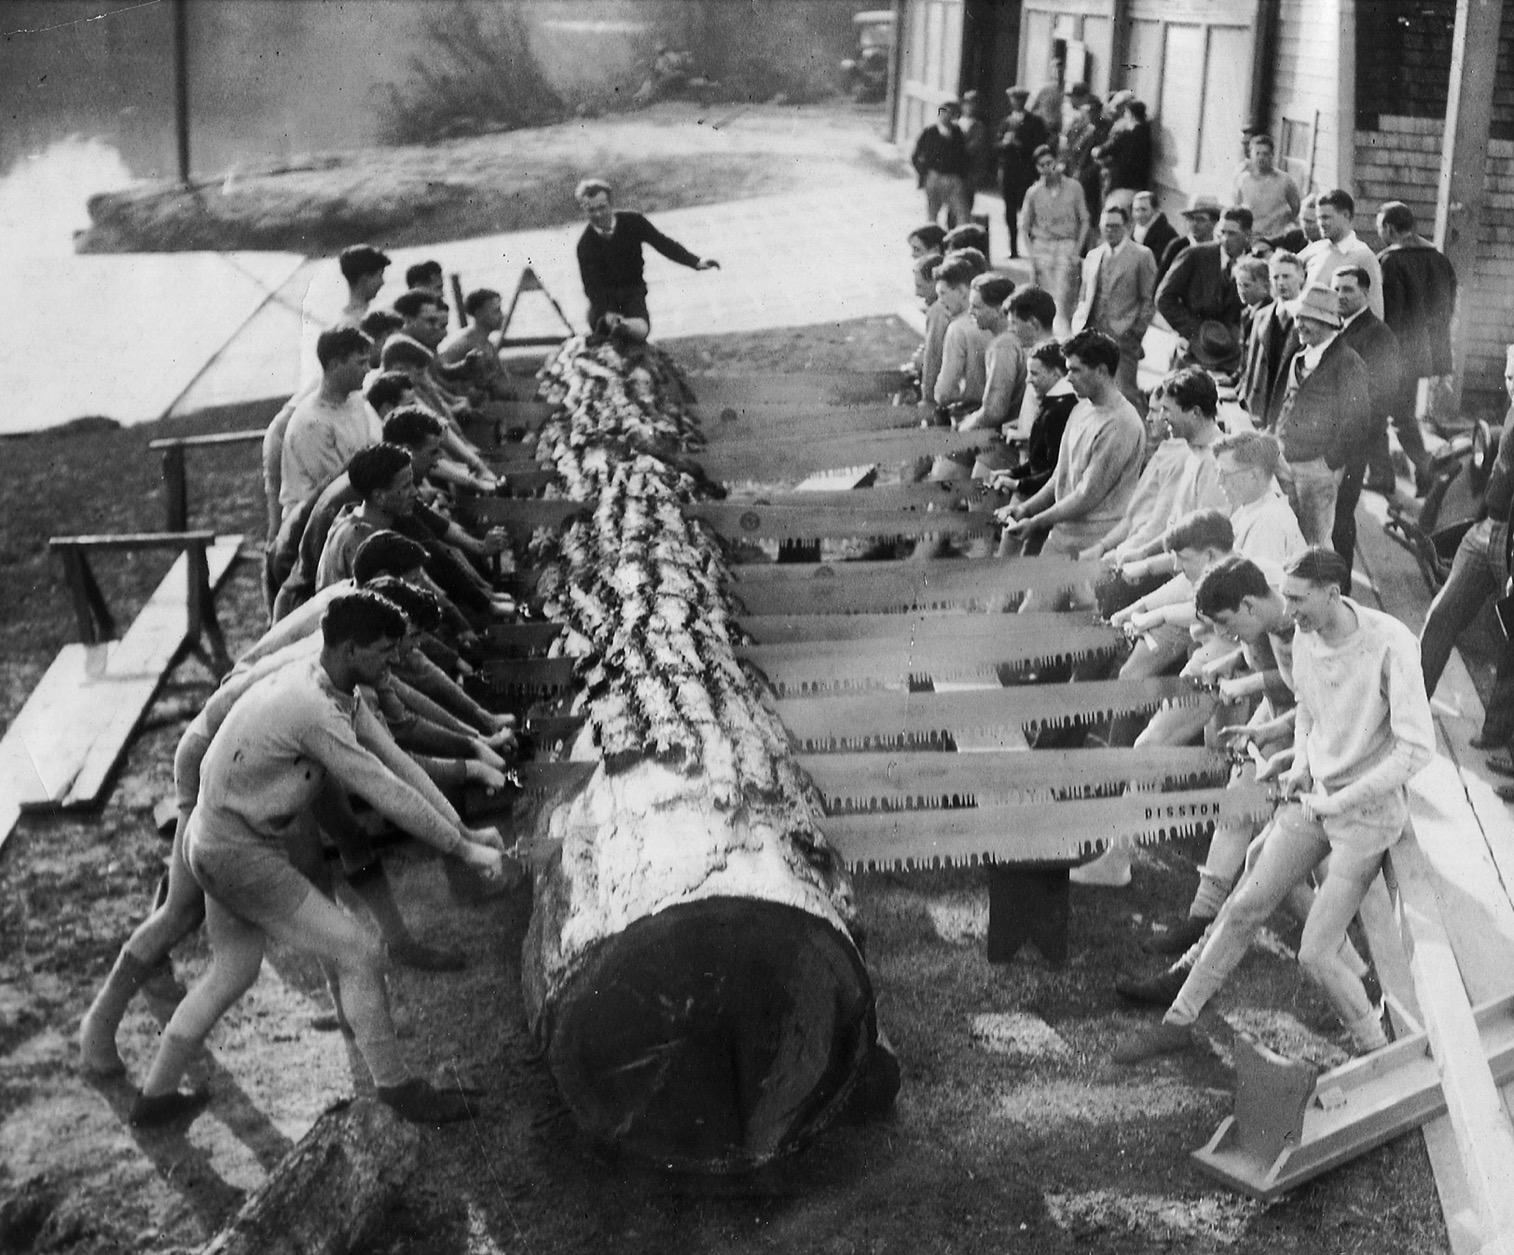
(327,1194)
(703,1005)
(691,969)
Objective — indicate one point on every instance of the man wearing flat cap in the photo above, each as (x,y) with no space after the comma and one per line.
(1200,288)
(941,161)
(1020,134)
(1322,411)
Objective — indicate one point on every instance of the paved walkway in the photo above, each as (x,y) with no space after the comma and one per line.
(791,260)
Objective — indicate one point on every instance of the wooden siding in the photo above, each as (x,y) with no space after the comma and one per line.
(930,69)
(1304,78)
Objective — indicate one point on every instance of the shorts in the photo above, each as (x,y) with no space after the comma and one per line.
(1359,838)
(627,302)
(186,769)
(252,876)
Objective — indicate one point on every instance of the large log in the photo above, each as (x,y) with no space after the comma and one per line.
(691,968)
(327,1195)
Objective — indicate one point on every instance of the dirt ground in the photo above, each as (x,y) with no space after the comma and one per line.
(1012,1131)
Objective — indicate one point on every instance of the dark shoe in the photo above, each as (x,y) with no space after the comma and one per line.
(1157,991)
(421,1103)
(1385,487)
(424,958)
(1482,741)
(1180,937)
(1505,791)
(1152,1043)
(150,1113)
(1501,765)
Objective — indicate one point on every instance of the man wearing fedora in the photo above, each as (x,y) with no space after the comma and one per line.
(1378,348)
(1201,217)
(940,159)
(1322,410)
(1020,135)
(1200,301)
(1118,296)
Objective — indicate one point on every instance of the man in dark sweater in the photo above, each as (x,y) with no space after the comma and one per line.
(611,266)
(1419,301)
(941,161)
(1378,348)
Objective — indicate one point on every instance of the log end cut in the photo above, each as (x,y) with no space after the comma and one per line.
(715,1035)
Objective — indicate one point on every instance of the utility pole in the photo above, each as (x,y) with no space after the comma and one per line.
(181,83)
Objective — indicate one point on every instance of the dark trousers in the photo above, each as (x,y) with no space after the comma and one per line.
(1343,535)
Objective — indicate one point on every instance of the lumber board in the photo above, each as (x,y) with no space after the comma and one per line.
(62,748)
(1470,876)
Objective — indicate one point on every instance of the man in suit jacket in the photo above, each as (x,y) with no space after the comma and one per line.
(1149,225)
(1118,296)
(1321,409)
(1201,288)
(1378,348)
(1201,217)
(1275,337)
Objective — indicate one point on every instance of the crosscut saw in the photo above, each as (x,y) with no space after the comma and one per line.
(797,667)
(924,779)
(821,388)
(1044,832)
(769,421)
(880,587)
(539,784)
(897,719)
(766,461)
(912,625)
(794,518)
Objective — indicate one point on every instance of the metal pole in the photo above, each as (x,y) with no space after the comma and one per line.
(181,83)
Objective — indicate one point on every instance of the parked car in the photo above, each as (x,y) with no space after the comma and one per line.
(864,77)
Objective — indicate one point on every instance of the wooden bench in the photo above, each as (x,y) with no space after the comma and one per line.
(64,746)
(175,483)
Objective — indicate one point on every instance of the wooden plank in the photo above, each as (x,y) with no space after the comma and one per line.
(135,669)
(217,438)
(1484,1131)
(1469,875)
(133,540)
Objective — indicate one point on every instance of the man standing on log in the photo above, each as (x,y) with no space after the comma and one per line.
(1362,730)
(253,849)
(611,265)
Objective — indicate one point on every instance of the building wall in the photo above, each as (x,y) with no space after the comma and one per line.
(930,67)
(1305,88)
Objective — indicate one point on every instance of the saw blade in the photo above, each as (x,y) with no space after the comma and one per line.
(522,517)
(802,666)
(922,779)
(802,520)
(880,587)
(767,420)
(842,387)
(553,731)
(738,522)
(896,719)
(537,784)
(893,496)
(525,638)
(518,455)
(531,675)
(528,482)
(764,461)
(1042,832)
(914,625)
